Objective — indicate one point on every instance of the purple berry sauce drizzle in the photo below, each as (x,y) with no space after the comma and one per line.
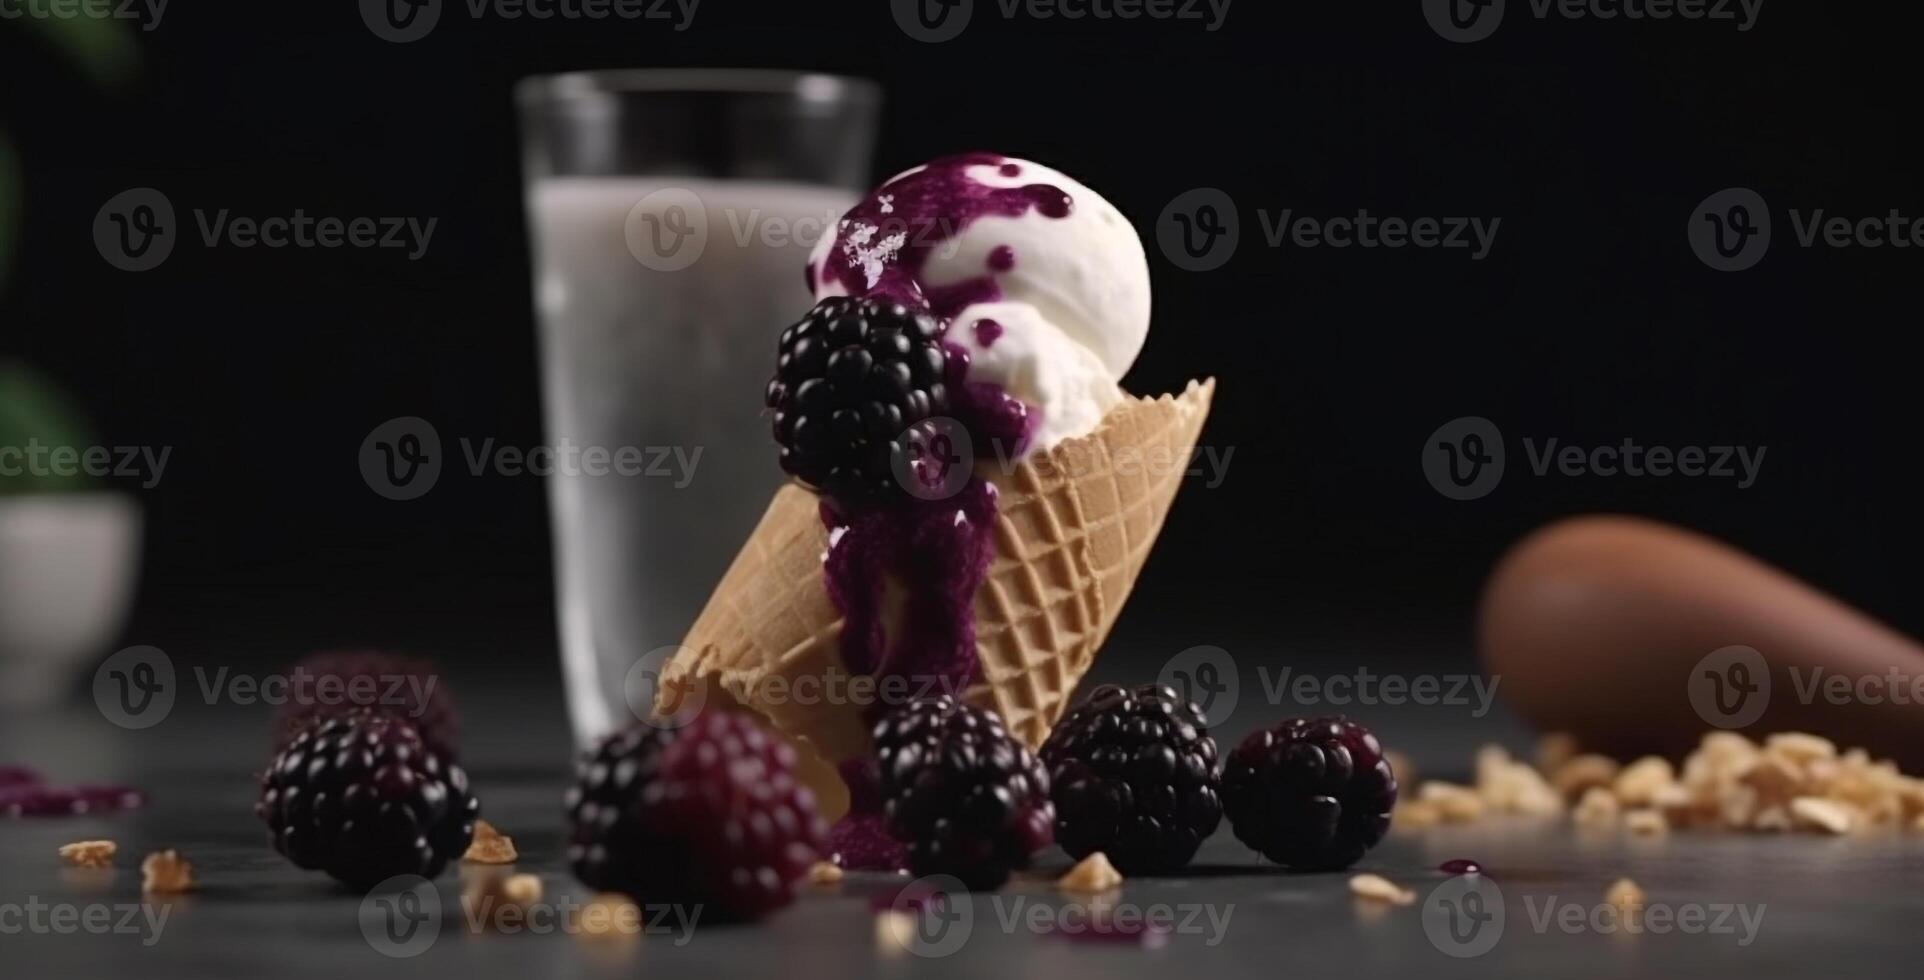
(1460,866)
(938,548)
(22,794)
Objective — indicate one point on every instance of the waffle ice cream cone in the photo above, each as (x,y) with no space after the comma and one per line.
(1073,530)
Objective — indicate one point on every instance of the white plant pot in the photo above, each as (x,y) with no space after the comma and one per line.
(67,567)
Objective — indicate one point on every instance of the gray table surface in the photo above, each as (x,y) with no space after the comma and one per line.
(1818,906)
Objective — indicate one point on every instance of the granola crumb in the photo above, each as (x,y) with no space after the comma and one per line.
(1822,814)
(166,873)
(1646,822)
(1626,895)
(824,873)
(1418,814)
(1453,803)
(490,846)
(1643,781)
(610,916)
(1582,773)
(1800,747)
(1598,810)
(1402,766)
(1381,889)
(1092,874)
(89,853)
(488,894)
(1555,749)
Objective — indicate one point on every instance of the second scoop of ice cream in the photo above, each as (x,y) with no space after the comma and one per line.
(1043,283)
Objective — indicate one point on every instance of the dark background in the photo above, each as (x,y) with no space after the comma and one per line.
(1590,321)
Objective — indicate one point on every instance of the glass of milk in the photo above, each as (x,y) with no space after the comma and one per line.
(672,213)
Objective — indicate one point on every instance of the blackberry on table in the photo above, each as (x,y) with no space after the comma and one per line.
(1135,777)
(1310,793)
(709,814)
(968,799)
(362,797)
(852,379)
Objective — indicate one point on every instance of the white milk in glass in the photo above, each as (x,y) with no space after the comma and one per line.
(649,351)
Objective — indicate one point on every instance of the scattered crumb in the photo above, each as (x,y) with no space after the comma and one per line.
(1583,773)
(610,916)
(89,853)
(1598,810)
(1642,781)
(1417,814)
(1092,874)
(1626,895)
(1800,747)
(166,873)
(1379,888)
(487,895)
(1554,749)
(1646,822)
(1402,767)
(1453,803)
(824,873)
(1509,786)
(490,846)
(1829,816)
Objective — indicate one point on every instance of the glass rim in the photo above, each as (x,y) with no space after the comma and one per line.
(536,91)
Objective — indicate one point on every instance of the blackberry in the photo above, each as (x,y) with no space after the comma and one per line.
(1135,777)
(403,686)
(967,798)
(1310,793)
(853,380)
(709,814)
(363,798)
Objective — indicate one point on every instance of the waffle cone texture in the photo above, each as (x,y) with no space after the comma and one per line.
(1074,527)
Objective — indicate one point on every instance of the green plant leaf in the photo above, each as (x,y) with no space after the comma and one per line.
(103,47)
(36,413)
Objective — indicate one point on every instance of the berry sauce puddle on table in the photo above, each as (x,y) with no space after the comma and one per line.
(940,548)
